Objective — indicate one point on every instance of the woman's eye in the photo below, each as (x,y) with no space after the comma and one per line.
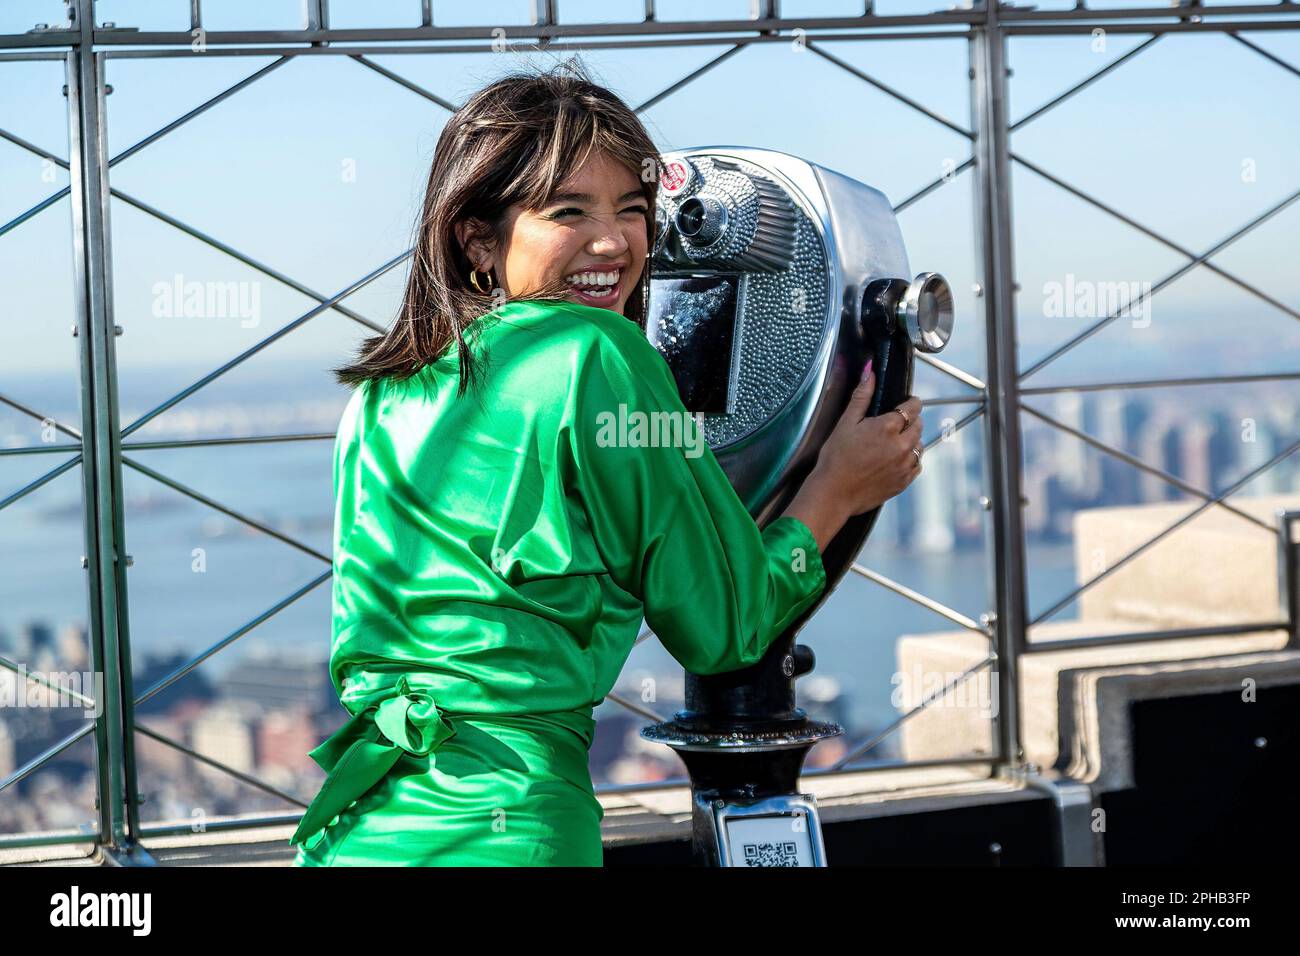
(574,210)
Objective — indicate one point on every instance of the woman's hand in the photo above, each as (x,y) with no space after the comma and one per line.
(864,463)
(867,461)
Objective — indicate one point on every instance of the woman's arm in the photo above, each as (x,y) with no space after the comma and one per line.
(819,508)
(668,524)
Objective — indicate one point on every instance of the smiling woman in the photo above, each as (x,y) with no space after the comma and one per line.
(542,187)
(494,558)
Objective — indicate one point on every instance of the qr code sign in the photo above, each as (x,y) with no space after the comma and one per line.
(771,854)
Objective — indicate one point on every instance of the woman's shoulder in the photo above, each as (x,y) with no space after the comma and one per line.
(573,325)
(566,355)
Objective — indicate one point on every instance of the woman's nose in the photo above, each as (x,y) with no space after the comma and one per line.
(609,240)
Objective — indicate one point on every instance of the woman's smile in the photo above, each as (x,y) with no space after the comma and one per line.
(597,285)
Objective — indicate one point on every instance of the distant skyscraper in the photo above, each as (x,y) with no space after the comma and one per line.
(1137,413)
(274,681)
(39,637)
(223,733)
(73,652)
(1254,454)
(284,738)
(888,530)
(1119,484)
(1224,449)
(935,530)
(1037,515)
(7,761)
(1070,455)
(1159,446)
(1112,428)
(1194,454)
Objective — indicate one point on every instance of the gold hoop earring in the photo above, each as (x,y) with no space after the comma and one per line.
(473,280)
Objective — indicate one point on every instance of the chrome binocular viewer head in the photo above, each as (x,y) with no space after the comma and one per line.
(772,280)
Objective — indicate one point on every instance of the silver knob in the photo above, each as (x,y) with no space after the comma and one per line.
(701,220)
(926,311)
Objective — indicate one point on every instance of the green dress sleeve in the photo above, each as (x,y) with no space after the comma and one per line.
(666,520)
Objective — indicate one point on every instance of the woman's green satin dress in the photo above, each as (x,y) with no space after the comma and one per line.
(494,555)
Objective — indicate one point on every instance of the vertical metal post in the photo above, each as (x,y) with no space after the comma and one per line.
(89,293)
(1002,422)
(545,13)
(1288,573)
(316,15)
(101,439)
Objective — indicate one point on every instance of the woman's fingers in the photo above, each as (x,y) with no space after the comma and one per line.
(910,417)
(860,398)
(871,459)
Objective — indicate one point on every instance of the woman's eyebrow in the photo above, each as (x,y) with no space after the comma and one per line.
(587,197)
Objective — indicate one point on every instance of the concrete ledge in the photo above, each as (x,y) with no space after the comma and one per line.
(1217,569)
(66,854)
(1096,729)
(960,723)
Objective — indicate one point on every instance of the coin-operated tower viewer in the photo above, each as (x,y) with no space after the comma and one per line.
(773,280)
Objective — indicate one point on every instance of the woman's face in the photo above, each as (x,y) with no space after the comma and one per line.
(593,233)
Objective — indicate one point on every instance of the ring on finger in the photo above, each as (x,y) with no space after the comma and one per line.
(907,421)
(917,452)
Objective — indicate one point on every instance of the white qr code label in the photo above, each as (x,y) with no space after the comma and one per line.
(769,840)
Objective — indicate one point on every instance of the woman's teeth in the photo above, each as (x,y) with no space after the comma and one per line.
(597,285)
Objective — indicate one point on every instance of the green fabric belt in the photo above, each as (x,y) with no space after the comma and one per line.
(367,746)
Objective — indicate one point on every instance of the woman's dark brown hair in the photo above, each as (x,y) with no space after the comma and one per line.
(515,141)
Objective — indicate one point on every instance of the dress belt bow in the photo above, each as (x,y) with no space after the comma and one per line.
(366,747)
